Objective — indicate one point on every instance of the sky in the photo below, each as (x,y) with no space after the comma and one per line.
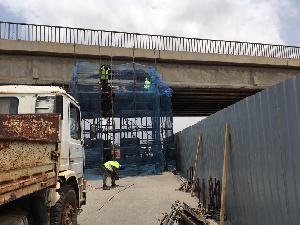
(260,21)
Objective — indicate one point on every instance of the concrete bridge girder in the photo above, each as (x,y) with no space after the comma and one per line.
(206,76)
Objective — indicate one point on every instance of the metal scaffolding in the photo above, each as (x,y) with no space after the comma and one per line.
(130,122)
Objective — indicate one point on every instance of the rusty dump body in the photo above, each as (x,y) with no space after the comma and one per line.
(28,153)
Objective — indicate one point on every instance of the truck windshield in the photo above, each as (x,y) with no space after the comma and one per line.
(9,105)
(45,104)
(74,122)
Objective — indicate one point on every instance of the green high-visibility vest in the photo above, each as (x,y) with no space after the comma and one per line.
(147,84)
(104,75)
(110,164)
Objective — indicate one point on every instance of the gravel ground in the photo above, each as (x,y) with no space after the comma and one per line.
(138,200)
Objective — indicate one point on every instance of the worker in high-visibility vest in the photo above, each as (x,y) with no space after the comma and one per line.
(110,169)
(105,70)
(147,84)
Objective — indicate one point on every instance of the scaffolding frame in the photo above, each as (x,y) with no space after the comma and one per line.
(131,123)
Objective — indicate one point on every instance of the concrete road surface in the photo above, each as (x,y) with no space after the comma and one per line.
(137,201)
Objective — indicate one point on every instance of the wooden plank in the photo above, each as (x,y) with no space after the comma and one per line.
(225,163)
(196,163)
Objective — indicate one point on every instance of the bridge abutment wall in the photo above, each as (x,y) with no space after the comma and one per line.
(26,62)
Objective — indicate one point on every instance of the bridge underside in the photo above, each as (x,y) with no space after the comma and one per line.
(193,102)
(205,101)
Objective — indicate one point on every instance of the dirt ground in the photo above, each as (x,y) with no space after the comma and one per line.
(138,200)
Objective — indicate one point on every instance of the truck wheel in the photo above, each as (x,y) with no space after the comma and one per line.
(64,212)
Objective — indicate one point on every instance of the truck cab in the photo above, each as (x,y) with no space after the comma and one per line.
(40,105)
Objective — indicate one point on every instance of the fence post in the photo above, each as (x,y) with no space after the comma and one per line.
(222,213)
(196,163)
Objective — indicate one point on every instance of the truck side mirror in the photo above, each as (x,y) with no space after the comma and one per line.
(59,105)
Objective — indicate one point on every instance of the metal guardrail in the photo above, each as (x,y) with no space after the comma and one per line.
(58,34)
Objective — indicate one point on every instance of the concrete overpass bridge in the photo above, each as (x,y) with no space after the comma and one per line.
(206,75)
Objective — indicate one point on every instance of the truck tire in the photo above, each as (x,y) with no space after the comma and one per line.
(64,212)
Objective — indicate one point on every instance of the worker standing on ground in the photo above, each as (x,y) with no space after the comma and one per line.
(105,70)
(110,169)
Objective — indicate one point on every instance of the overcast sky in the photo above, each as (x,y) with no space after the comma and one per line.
(263,21)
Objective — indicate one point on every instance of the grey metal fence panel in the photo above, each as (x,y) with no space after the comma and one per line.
(263,184)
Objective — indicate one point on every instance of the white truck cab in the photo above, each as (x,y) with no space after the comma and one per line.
(69,155)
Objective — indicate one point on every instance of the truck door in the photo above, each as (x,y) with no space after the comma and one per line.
(76,145)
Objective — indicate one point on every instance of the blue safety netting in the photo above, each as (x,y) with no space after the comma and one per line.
(132,122)
(85,88)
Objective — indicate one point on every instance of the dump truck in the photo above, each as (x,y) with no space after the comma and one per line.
(42,156)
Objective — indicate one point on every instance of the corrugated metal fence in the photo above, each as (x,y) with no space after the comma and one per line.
(263,181)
